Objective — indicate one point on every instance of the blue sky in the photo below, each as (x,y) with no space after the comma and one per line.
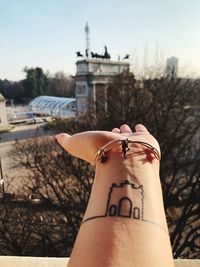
(47,33)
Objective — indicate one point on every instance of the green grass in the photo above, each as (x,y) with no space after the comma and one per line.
(5,129)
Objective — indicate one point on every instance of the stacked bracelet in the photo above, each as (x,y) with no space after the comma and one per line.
(102,154)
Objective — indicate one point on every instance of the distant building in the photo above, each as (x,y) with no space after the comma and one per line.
(61,107)
(94,73)
(3,115)
(172,67)
(93,77)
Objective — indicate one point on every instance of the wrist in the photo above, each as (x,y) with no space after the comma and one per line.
(118,172)
(127,153)
(133,166)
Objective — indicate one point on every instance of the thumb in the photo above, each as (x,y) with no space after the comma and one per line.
(63,140)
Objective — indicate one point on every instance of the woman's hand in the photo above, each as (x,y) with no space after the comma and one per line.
(85,145)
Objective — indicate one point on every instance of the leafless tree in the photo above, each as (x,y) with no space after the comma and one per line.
(170,110)
(51,201)
(61,85)
(61,184)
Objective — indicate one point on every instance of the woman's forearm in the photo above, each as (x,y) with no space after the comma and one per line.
(124,224)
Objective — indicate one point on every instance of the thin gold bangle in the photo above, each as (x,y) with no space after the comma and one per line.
(102,153)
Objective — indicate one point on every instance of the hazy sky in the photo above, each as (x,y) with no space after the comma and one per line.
(47,33)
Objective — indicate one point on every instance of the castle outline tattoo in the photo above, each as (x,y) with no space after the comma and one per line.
(130,207)
(119,206)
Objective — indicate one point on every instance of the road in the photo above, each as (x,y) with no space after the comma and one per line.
(23,132)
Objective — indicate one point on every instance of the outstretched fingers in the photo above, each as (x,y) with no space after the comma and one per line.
(125,129)
(141,128)
(116,130)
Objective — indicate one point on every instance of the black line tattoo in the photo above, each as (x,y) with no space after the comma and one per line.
(131,207)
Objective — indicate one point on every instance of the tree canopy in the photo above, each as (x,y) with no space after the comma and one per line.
(36,83)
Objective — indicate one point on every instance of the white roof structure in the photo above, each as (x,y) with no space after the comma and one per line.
(53,106)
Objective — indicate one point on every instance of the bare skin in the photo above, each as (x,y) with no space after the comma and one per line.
(76,144)
(110,235)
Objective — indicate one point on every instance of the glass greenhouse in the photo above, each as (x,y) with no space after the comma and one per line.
(53,106)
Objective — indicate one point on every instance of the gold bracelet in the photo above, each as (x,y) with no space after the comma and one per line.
(102,154)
